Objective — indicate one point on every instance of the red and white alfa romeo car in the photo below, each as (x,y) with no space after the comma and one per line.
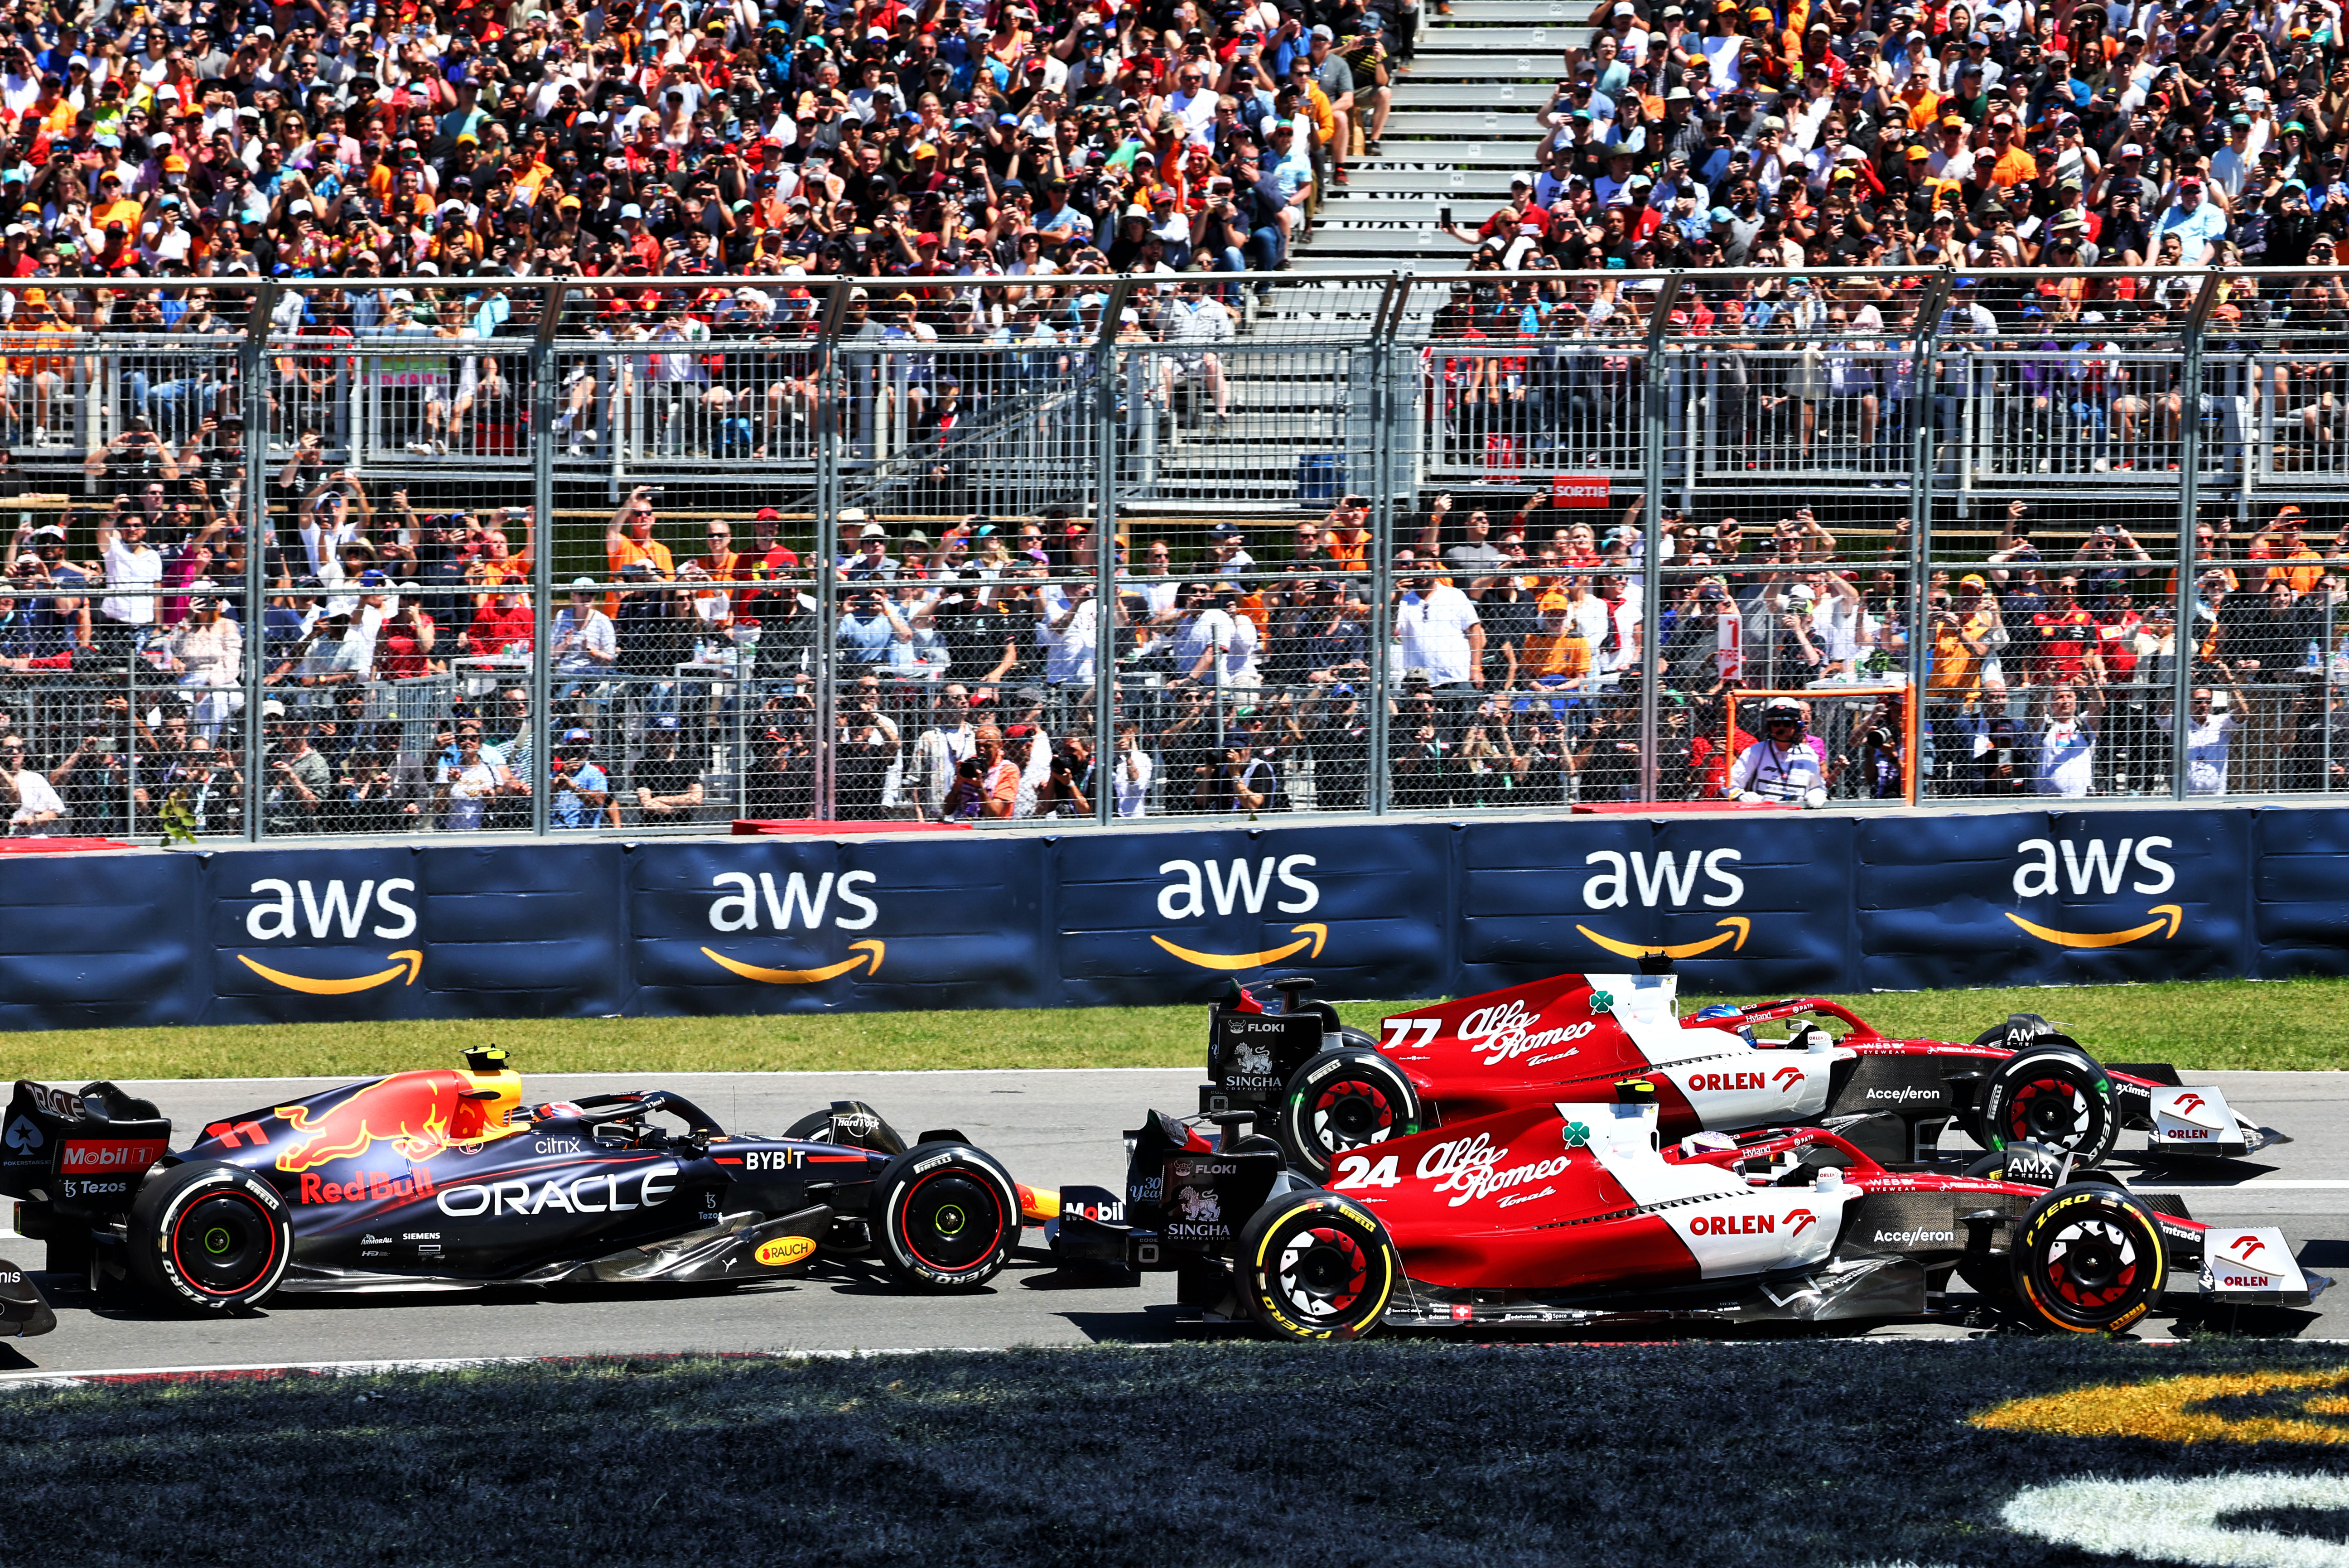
(1323,1090)
(1581,1213)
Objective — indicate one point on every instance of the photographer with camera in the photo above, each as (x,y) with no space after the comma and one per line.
(581,791)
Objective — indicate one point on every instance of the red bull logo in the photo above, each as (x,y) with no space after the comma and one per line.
(419,1114)
(368,1186)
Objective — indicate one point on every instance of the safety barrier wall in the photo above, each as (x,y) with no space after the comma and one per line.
(1777,902)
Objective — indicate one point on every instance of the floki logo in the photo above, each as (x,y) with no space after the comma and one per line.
(2092,867)
(1238,885)
(324,911)
(797,902)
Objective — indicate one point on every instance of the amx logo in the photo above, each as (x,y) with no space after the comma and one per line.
(1241,884)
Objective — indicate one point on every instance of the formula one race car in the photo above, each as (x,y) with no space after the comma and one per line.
(445,1180)
(1323,1090)
(1579,1214)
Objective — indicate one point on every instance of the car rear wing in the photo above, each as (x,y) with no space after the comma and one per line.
(82,1154)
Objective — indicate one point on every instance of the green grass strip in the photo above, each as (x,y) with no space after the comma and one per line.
(2285,1025)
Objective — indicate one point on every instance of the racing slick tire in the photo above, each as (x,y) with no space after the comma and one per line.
(945,1215)
(2054,1094)
(1343,1099)
(2087,1259)
(210,1234)
(1357,1039)
(1312,1265)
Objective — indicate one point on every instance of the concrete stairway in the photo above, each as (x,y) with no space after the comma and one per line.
(1463,123)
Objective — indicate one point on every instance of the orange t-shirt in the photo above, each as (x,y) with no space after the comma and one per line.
(626,552)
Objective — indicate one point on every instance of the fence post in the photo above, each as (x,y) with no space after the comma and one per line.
(542,563)
(1384,326)
(833,404)
(1924,370)
(253,400)
(1651,532)
(2182,640)
(1106,382)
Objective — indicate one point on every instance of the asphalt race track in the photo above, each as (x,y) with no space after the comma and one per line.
(1051,1128)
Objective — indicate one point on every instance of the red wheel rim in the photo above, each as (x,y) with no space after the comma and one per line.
(2046,1108)
(1322,1271)
(2091,1265)
(1351,1112)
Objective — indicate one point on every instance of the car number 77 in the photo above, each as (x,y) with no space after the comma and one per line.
(1400,1032)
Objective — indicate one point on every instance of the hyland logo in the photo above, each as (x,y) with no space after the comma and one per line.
(327,910)
(797,902)
(1666,881)
(1235,885)
(2095,867)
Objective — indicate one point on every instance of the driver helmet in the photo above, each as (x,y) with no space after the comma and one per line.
(1782,711)
(1723,1010)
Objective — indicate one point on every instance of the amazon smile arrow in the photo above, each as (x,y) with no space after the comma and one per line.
(1740,927)
(860,952)
(1230,962)
(2168,915)
(408,961)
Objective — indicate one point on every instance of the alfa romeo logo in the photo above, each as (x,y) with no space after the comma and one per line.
(1602,1001)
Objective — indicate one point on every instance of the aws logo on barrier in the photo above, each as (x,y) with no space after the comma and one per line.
(1245,887)
(331,910)
(797,901)
(1667,880)
(2095,867)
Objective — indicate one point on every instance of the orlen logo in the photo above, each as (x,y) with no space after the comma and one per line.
(2188,1103)
(1234,885)
(2244,1246)
(1716,1082)
(2092,866)
(1788,1079)
(1799,1220)
(1734,1224)
(1500,1033)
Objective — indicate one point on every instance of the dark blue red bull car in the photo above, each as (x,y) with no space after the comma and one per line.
(446,1178)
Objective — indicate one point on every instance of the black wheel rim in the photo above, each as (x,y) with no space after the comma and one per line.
(951,1221)
(224,1244)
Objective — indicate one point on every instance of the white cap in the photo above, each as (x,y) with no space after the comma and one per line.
(583,585)
(1624,8)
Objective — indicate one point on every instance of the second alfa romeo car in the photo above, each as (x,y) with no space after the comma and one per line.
(445,1179)
(1322,1089)
(1579,1213)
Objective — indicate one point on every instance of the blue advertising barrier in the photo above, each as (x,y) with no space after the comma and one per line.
(1785,903)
